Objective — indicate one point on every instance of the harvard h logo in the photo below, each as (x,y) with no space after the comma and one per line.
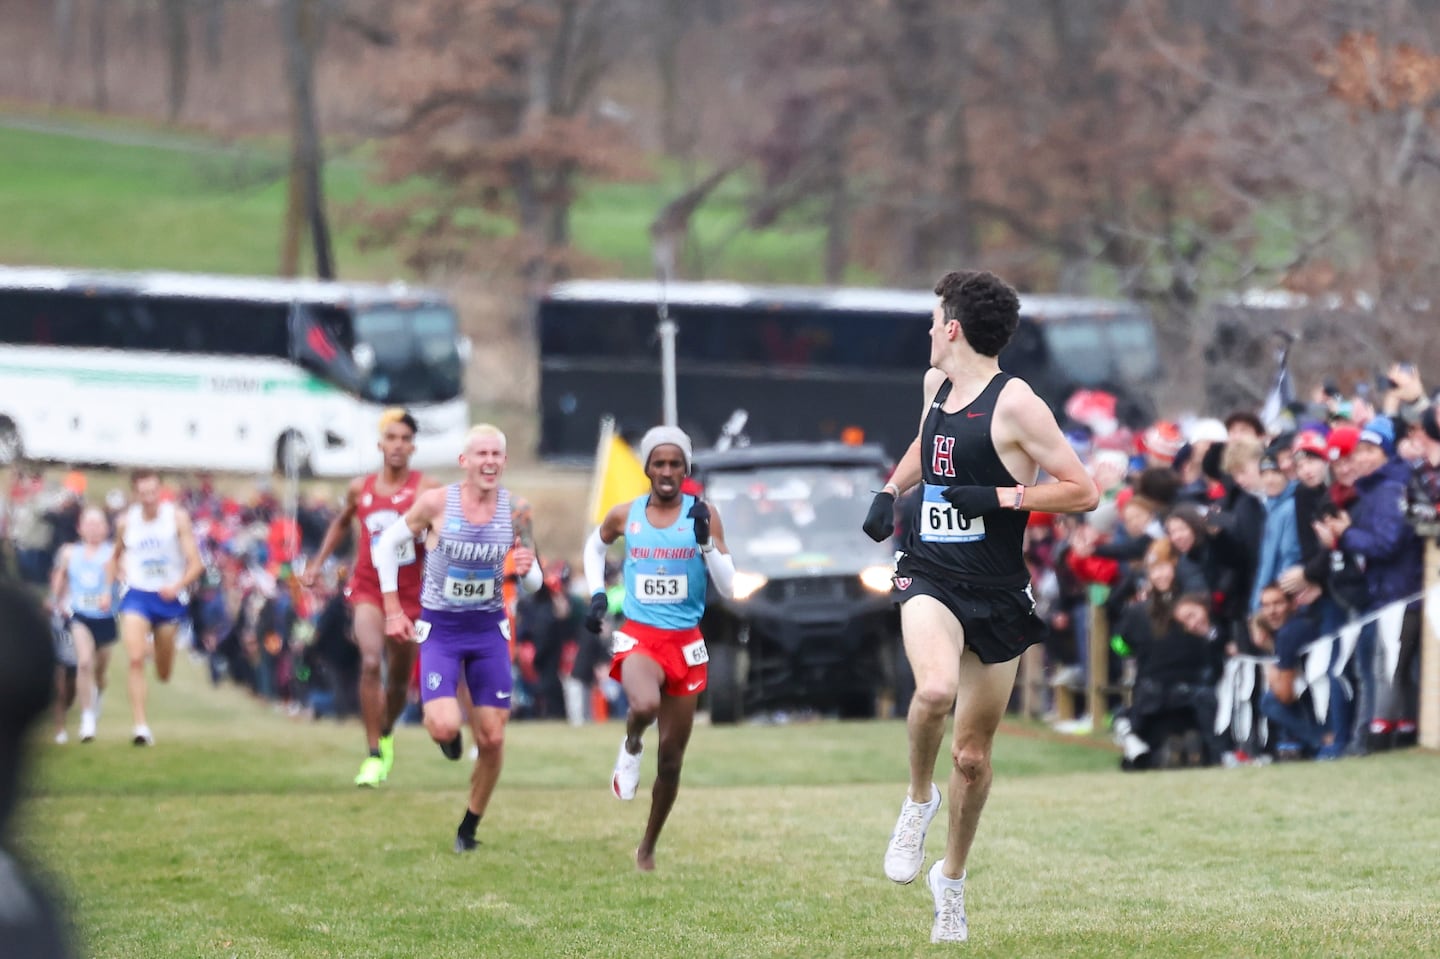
(941,463)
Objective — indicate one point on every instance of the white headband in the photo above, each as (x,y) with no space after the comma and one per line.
(662,436)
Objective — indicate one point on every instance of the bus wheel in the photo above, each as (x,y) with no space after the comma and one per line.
(11,449)
(292,455)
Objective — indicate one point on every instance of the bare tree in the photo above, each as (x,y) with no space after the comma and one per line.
(177,55)
(494,110)
(301,28)
(99,56)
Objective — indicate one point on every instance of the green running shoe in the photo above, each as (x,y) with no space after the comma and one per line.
(372,772)
(387,754)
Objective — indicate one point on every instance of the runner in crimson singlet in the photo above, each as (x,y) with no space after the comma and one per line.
(376,510)
(377,501)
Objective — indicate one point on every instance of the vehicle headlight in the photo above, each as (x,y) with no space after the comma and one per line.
(746,584)
(877,578)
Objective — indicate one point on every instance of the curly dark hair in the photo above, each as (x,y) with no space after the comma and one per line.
(986,306)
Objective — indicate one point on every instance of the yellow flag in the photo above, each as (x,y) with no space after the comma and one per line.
(619,476)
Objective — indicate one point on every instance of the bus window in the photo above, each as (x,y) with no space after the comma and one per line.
(588,331)
(1025,355)
(1132,344)
(1081,349)
(70,320)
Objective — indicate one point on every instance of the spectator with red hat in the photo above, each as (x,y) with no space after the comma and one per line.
(1339,445)
(1312,474)
(1160,443)
(551,621)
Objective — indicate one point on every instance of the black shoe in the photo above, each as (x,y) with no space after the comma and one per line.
(465,844)
(453,748)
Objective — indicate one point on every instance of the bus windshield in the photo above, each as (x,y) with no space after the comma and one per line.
(408,354)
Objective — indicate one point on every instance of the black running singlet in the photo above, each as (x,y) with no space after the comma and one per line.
(956,450)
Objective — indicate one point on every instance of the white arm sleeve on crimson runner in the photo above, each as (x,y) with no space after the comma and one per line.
(386,554)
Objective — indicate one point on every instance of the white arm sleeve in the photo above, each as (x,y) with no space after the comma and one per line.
(722,570)
(386,554)
(595,563)
(533,578)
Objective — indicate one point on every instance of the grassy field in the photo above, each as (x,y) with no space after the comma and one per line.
(79,194)
(240,836)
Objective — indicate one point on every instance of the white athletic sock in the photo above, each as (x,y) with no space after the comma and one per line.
(953,883)
(1134,746)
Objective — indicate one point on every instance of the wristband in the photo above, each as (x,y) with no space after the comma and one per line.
(707,546)
(891,488)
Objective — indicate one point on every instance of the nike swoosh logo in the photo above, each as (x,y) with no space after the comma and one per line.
(971,416)
(502,695)
(693,686)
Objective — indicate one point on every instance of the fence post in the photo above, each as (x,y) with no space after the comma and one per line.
(1430,650)
(1098,674)
(1032,682)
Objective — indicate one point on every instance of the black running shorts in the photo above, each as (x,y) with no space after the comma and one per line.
(999,621)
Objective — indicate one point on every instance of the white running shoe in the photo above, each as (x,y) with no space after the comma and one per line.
(906,852)
(950,924)
(143,736)
(61,738)
(627,773)
(87,726)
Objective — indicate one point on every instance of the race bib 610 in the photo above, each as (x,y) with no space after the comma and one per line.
(942,523)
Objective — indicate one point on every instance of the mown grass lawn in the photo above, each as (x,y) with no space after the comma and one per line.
(239,835)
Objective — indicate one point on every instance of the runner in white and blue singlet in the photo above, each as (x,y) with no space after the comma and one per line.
(155,548)
(79,588)
(462,629)
(672,541)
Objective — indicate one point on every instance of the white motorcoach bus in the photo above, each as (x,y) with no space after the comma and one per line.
(181,371)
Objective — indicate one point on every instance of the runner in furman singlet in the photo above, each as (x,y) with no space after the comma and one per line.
(462,627)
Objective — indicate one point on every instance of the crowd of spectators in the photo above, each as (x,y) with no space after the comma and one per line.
(1227,554)
(254,624)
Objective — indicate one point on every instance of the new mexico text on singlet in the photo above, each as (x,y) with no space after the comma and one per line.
(957,450)
(664,572)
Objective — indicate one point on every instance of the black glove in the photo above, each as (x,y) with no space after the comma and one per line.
(599,606)
(879,523)
(700,513)
(972,501)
